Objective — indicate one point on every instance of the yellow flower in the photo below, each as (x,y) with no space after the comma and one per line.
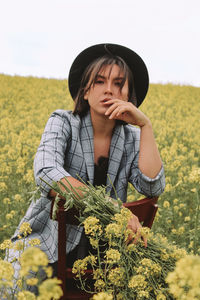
(137,282)
(32,281)
(92,227)
(28,177)
(123,217)
(142,295)
(102,296)
(164,254)
(9,216)
(34,242)
(194,176)
(191,244)
(166,204)
(18,198)
(177,253)
(168,187)
(50,289)
(18,246)
(130,198)
(116,277)
(7,244)
(132,248)
(6,201)
(25,229)
(184,281)
(175,201)
(98,273)
(20,283)
(6,270)
(26,295)
(99,285)
(3,187)
(94,243)
(91,259)
(112,256)
(161,297)
(176,208)
(187,219)
(181,230)
(145,232)
(120,296)
(79,267)
(48,271)
(113,230)
(148,268)
(31,259)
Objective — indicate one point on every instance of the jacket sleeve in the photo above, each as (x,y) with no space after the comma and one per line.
(49,159)
(150,187)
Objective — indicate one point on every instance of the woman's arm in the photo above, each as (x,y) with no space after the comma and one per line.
(50,156)
(149,158)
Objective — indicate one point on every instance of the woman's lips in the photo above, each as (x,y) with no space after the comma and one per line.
(104,101)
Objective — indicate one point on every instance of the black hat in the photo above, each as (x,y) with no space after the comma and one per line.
(132,59)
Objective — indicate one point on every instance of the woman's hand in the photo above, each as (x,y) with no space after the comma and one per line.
(126,111)
(70,182)
(149,158)
(135,226)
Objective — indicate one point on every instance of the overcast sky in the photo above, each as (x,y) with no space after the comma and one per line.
(42,37)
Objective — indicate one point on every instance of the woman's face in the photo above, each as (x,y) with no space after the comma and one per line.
(106,87)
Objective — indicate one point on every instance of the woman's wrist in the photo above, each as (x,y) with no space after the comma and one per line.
(146,124)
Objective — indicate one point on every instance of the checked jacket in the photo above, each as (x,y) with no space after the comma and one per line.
(66,149)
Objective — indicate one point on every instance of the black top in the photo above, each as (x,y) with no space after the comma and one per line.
(100,171)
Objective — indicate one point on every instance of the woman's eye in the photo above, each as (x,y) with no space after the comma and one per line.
(118,83)
(99,82)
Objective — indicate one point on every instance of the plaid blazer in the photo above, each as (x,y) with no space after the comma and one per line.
(66,149)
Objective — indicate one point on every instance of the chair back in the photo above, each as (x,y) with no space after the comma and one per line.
(145,209)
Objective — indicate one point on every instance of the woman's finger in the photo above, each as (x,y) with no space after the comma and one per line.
(111,108)
(116,112)
(138,236)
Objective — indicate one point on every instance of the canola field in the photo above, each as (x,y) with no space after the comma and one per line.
(25,106)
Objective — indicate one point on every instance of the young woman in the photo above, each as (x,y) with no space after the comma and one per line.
(108,82)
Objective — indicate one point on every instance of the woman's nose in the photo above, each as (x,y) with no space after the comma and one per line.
(108,88)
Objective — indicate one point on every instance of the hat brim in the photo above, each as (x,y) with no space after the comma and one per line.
(132,59)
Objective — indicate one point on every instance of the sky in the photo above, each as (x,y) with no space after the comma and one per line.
(42,37)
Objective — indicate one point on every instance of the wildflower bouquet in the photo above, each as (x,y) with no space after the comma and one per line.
(120,270)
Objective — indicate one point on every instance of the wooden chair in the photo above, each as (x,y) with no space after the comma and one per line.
(144,209)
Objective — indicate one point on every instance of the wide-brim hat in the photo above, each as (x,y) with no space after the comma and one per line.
(132,59)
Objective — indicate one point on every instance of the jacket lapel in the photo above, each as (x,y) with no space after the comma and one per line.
(116,151)
(87,144)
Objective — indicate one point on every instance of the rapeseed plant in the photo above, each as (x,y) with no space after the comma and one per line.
(25,105)
(31,260)
(184,281)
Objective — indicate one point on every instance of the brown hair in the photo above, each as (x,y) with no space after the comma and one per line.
(90,75)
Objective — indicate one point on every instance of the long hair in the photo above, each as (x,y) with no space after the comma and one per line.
(90,75)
